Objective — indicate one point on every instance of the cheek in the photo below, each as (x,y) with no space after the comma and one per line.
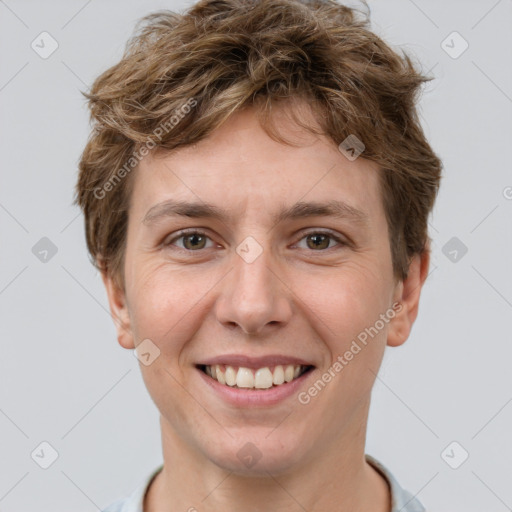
(347,301)
(168,304)
(159,305)
(162,310)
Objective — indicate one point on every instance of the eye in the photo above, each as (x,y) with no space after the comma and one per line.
(192,240)
(316,240)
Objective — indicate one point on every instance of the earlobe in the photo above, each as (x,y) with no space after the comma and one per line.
(119,311)
(408,295)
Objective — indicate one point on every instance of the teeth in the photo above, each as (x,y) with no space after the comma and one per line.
(279,375)
(230,376)
(219,374)
(244,378)
(263,378)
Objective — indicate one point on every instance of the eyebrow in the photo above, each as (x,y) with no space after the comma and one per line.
(300,210)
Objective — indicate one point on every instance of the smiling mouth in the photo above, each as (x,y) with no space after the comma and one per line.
(260,378)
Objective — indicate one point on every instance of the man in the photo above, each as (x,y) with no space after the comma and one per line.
(256,192)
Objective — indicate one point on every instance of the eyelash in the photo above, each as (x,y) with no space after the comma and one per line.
(184,233)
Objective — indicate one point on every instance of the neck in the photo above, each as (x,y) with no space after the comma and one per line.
(337,479)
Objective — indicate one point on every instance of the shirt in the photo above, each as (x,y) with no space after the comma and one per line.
(401,500)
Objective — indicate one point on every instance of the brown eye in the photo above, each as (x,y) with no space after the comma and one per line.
(319,240)
(196,241)
(192,241)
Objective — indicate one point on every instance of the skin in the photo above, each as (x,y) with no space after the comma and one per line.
(294,299)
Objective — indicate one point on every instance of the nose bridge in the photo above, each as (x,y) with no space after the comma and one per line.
(254,296)
(252,275)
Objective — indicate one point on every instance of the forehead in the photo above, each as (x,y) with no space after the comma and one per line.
(240,170)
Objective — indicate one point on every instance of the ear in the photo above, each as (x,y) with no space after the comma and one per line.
(118,310)
(407,293)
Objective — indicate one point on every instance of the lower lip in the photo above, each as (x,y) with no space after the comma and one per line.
(254,397)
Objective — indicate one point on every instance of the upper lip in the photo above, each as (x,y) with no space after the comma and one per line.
(254,362)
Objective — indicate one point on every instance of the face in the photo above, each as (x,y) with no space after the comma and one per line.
(245,288)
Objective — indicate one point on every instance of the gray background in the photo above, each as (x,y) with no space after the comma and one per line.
(65,380)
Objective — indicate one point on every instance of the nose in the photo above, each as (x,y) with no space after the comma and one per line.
(254,295)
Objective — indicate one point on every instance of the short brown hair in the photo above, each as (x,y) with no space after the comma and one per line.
(225,55)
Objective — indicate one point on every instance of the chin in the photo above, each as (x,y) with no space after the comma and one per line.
(257,453)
